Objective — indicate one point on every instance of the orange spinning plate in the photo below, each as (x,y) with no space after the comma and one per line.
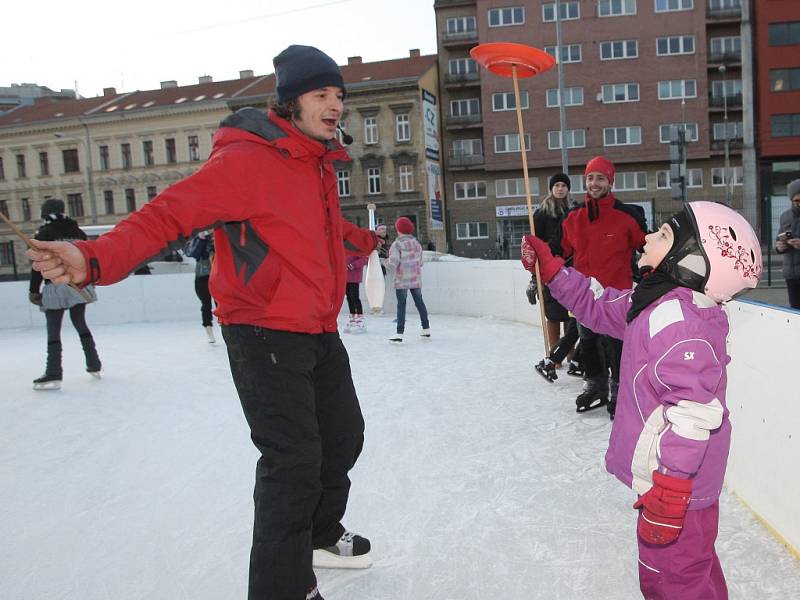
(498,57)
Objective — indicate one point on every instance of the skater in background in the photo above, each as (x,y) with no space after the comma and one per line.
(279,281)
(405,259)
(201,249)
(671,435)
(788,244)
(56,298)
(355,275)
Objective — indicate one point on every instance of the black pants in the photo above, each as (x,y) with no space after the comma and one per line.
(566,343)
(201,289)
(299,401)
(599,354)
(353,300)
(54,318)
(793,287)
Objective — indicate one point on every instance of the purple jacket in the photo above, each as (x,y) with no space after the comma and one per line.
(356,274)
(671,414)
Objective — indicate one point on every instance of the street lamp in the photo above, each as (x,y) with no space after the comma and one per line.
(727,173)
(89,170)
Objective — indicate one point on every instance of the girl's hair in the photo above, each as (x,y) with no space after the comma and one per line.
(286,110)
(555,207)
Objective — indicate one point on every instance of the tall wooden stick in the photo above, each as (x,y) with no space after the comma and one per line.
(25,239)
(523,151)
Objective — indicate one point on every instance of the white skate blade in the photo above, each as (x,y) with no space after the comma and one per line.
(47,385)
(328,560)
(96,374)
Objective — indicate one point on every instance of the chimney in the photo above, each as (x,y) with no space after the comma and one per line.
(172,83)
(109,91)
(246,74)
(205,79)
(413,53)
(353,60)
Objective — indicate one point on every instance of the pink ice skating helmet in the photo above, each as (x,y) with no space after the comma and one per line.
(724,258)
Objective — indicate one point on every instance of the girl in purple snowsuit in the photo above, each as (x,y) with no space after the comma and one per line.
(671,433)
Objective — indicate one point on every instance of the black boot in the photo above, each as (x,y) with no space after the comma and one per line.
(93,364)
(547,369)
(594,394)
(51,380)
(612,400)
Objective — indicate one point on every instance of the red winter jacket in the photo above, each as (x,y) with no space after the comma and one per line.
(601,237)
(271,194)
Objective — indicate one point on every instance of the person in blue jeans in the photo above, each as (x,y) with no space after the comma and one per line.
(405,259)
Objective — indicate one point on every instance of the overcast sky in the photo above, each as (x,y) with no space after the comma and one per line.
(137,45)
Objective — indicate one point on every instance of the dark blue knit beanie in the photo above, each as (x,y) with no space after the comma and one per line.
(300,69)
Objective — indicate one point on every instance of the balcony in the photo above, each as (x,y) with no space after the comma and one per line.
(727,14)
(465,161)
(463,121)
(453,80)
(724,58)
(733,144)
(734,101)
(446,3)
(463,38)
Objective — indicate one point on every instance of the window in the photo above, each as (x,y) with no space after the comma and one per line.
(194,147)
(567,11)
(735,130)
(636,180)
(690,129)
(784,34)
(619,49)
(677,89)
(503,17)
(694,178)
(467,147)
(105,164)
(505,101)
(461,25)
(461,66)
(616,8)
(569,54)
(152,192)
(575,138)
(108,200)
(662,180)
(670,5)
(573,96)
(469,190)
(147,150)
(472,231)
(71,164)
(718,176)
(126,155)
(130,199)
(4,208)
(44,164)
(7,253)
(509,142)
(373,181)
(75,205)
(463,108)
(726,47)
(169,146)
(343,183)
(371,130)
(21,171)
(620,92)
(784,80)
(406,173)
(515,188)
(622,136)
(403,127)
(675,44)
(2,170)
(26,209)
(729,88)
(785,125)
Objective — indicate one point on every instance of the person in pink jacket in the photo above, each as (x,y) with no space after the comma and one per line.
(671,434)
(355,274)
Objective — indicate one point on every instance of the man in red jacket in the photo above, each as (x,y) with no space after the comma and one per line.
(601,237)
(269,191)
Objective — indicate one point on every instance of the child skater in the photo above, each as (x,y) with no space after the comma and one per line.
(355,273)
(671,434)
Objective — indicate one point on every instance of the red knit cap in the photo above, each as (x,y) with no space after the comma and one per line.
(404,225)
(600,164)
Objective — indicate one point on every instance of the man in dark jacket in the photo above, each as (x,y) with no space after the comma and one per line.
(269,190)
(601,236)
(788,244)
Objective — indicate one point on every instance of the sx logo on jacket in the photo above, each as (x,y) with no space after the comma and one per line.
(688,356)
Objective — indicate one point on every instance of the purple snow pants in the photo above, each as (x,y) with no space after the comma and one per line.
(688,568)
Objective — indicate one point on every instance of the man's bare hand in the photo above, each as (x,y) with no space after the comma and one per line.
(60,262)
(781,246)
(794,243)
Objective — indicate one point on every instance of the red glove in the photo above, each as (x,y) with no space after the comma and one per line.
(533,248)
(663,509)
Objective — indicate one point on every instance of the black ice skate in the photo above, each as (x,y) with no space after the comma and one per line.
(612,401)
(47,382)
(574,369)
(350,552)
(594,394)
(547,369)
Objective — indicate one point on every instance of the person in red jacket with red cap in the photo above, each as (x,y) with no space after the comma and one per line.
(601,237)
(269,191)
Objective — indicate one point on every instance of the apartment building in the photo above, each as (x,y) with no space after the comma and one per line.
(631,68)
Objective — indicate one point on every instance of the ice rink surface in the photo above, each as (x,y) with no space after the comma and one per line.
(477,482)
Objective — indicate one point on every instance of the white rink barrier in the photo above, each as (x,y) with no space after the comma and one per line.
(763,394)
